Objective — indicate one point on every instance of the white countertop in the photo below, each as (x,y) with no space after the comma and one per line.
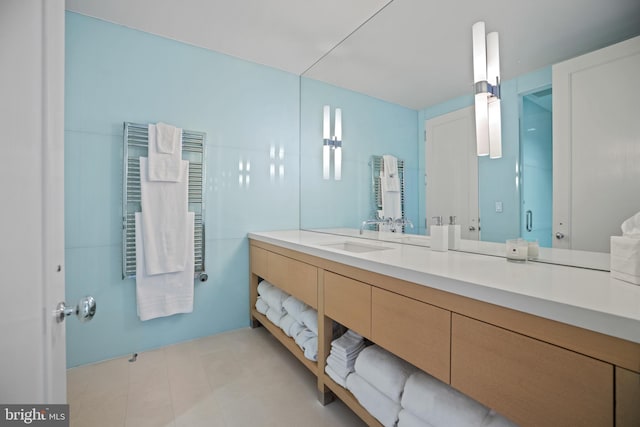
(581,297)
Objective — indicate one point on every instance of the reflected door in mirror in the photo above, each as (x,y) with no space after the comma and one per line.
(596,145)
(452,170)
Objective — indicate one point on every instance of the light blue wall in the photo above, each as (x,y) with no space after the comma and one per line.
(496,177)
(115,74)
(370,127)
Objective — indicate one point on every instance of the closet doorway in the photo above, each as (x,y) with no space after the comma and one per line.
(536,174)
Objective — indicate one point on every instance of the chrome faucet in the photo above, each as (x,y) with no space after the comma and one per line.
(401,222)
(374,221)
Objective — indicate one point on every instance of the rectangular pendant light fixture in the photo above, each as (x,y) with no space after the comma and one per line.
(332,143)
(486,77)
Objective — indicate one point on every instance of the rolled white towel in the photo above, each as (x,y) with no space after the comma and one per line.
(303,336)
(439,404)
(385,371)
(493,419)
(376,403)
(309,318)
(274,316)
(295,329)
(285,323)
(264,287)
(342,381)
(290,326)
(295,307)
(407,419)
(275,297)
(261,306)
(310,348)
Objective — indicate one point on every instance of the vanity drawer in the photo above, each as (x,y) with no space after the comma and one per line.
(417,332)
(627,398)
(529,381)
(348,302)
(294,277)
(258,261)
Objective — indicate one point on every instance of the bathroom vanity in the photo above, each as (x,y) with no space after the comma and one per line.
(541,344)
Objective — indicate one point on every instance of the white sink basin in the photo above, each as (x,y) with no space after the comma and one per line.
(355,247)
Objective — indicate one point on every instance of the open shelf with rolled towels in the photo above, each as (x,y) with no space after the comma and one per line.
(465,361)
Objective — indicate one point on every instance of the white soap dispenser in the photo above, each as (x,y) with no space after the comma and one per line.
(454,233)
(439,235)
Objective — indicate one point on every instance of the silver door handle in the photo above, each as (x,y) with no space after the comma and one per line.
(559,235)
(529,222)
(85,310)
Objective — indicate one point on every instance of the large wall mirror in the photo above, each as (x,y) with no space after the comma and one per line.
(412,63)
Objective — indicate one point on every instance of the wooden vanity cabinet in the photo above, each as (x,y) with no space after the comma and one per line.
(532,370)
(417,332)
(292,276)
(348,302)
(627,398)
(531,382)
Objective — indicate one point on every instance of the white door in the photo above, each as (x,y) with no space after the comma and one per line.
(596,145)
(452,170)
(32,354)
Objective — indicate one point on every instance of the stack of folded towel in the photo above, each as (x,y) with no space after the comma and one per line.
(428,402)
(342,357)
(378,383)
(296,319)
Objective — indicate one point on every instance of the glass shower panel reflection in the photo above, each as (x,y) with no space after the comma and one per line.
(536,168)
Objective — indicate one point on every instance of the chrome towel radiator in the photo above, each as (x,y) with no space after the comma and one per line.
(136,142)
(377,166)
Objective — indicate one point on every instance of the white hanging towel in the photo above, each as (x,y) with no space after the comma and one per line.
(164,219)
(390,188)
(165,152)
(164,294)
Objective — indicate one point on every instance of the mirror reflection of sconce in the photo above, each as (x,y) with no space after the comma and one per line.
(332,143)
(486,77)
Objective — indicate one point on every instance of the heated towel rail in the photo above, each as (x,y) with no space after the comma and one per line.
(377,166)
(136,142)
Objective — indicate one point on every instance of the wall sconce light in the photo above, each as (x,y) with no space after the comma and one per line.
(486,77)
(332,143)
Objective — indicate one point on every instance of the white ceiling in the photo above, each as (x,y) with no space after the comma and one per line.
(415,53)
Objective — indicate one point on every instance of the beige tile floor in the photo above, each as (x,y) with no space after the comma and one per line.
(238,378)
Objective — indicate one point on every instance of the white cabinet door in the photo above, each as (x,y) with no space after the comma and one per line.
(596,145)
(452,170)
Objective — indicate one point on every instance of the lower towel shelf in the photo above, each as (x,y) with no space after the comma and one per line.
(288,342)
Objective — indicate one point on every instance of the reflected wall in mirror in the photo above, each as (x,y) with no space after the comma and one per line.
(369,126)
(368,56)
(499,182)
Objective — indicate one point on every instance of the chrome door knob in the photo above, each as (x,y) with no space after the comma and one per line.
(85,310)
(559,235)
